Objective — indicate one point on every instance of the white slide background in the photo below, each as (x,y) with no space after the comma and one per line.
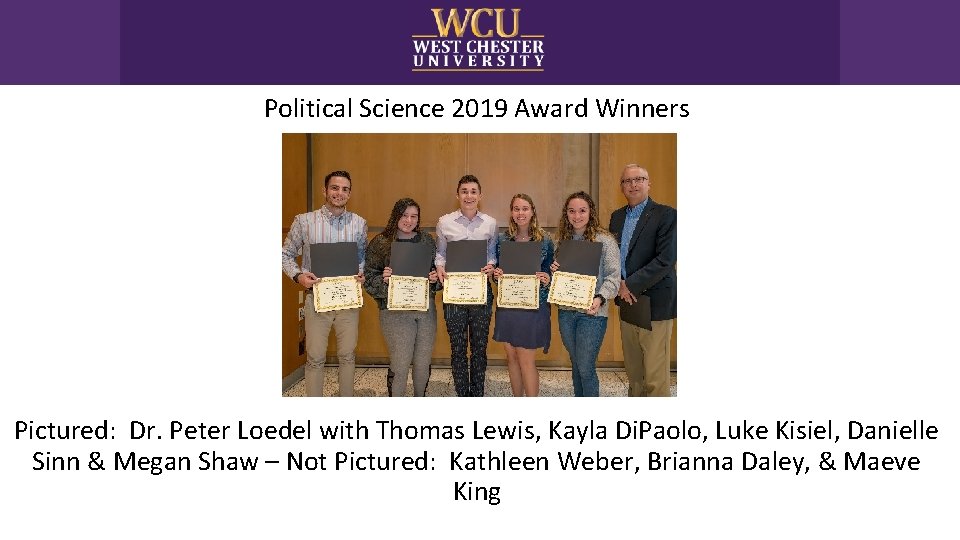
(818,281)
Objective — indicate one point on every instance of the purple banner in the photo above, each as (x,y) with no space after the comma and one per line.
(525,42)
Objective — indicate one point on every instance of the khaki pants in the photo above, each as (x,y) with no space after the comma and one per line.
(646,355)
(317,325)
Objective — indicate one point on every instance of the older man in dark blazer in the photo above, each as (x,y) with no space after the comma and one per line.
(647,232)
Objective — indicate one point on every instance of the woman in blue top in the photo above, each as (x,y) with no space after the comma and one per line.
(523,331)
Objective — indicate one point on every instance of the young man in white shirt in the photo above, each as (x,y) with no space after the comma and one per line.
(468,322)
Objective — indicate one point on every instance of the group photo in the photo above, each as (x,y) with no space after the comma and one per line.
(479,265)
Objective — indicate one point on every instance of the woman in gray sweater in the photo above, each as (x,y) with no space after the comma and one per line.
(582,331)
(409,334)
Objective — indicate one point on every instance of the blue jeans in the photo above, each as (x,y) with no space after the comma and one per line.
(582,335)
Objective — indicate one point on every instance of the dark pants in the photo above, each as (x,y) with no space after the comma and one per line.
(473,323)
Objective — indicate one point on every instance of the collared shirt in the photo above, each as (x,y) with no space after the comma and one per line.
(455,226)
(322,227)
(630,225)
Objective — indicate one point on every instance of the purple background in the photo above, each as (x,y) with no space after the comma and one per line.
(321,42)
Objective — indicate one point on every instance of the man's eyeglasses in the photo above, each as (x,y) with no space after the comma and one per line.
(637,180)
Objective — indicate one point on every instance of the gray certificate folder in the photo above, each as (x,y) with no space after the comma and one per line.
(637,314)
(520,257)
(466,255)
(410,259)
(334,260)
(579,257)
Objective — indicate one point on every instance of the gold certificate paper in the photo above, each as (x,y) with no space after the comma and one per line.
(465,288)
(519,291)
(408,293)
(333,293)
(574,290)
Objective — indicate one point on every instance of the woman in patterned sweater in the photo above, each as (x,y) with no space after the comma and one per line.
(409,334)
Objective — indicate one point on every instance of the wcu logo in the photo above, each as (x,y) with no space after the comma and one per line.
(473,17)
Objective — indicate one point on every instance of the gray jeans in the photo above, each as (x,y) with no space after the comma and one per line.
(409,336)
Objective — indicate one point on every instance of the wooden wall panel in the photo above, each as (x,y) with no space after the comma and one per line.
(292,326)
(654,151)
(294,201)
(388,167)
(521,163)
(294,198)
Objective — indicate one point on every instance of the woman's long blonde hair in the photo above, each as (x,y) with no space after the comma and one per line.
(536,233)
